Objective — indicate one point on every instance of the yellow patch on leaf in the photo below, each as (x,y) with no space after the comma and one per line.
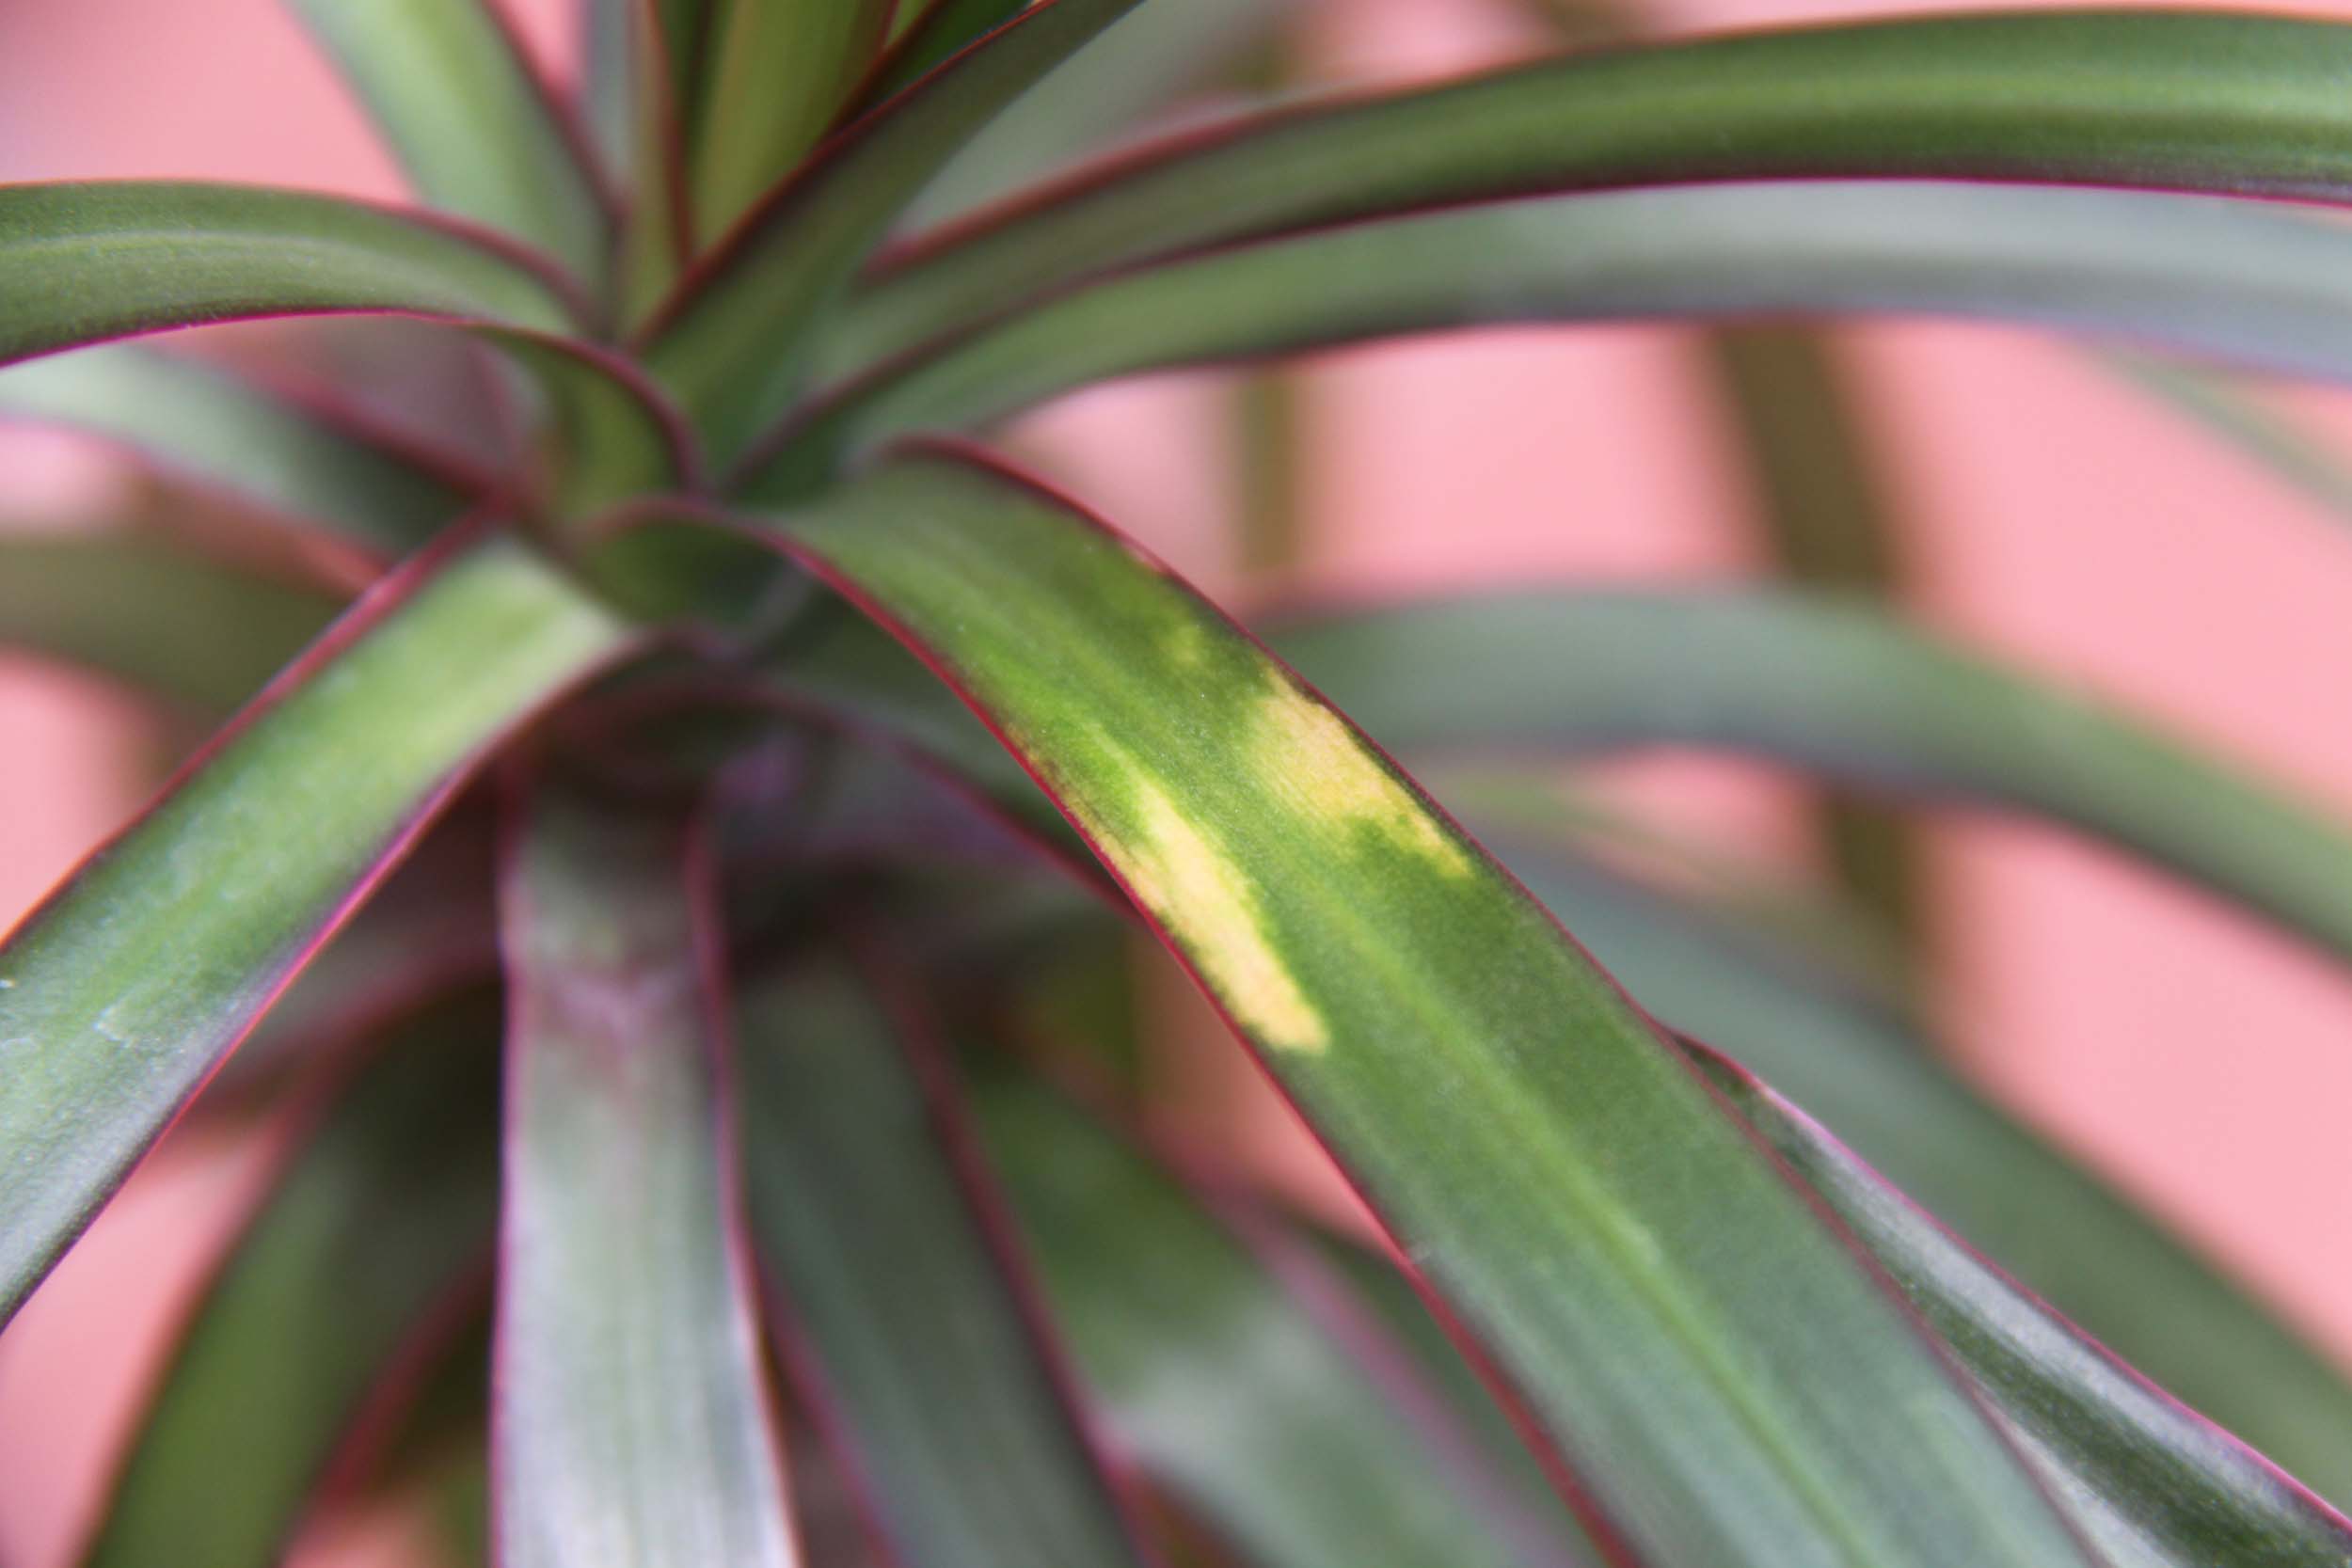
(1314,756)
(1201,895)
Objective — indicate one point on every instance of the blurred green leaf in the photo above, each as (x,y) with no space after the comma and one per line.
(1662,1303)
(628,1422)
(125,988)
(902,1316)
(778,72)
(1837,690)
(80,264)
(208,425)
(381,1219)
(925,35)
(153,615)
(477,131)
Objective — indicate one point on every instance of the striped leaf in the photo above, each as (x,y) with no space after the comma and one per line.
(340,1281)
(777,73)
(903,1315)
(1698,1347)
(121,994)
(630,1424)
(478,134)
(2215,101)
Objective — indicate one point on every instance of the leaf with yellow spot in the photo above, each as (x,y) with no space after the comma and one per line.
(1686,1334)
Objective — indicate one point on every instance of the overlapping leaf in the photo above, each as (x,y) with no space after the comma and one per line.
(1703,1352)
(906,1314)
(2217,102)
(384,1216)
(122,992)
(2227,278)
(475,129)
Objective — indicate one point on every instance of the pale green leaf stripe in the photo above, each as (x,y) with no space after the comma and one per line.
(1705,1353)
(468,120)
(1884,1090)
(80,264)
(2234,280)
(119,994)
(608,80)
(387,1210)
(730,345)
(2187,100)
(2152,1484)
(896,1304)
(630,1424)
(1839,691)
(208,425)
(777,72)
(154,615)
(1291,1442)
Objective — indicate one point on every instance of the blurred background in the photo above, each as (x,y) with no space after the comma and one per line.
(2038,506)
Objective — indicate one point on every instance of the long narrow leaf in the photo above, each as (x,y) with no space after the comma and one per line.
(1304,1450)
(922,1358)
(80,264)
(1883,1089)
(630,1424)
(205,424)
(470,120)
(2152,1483)
(122,992)
(1838,691)
(2232,279)
(153,615)
(777,73)
(1448,677)
(2297,457)
(729,344)
(1722,1376)
(383,1215)
(2185,100)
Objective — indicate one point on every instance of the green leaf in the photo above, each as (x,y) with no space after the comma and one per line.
(728,345)
(1699,1348)
(1450,675)
(1838,691)
(123,990)
(777,73)
(205,424)
(472,124)
(2234,280)
(1884,1090)
(154,615)
(1303,1447)
(80,264)
(629,1423)
(383,1215)
(925,36)
(902,1313)
(2148,1479)
(2194,100)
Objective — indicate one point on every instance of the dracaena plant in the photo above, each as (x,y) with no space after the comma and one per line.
(679,899)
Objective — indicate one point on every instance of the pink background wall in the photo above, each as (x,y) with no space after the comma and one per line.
(2053,516)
